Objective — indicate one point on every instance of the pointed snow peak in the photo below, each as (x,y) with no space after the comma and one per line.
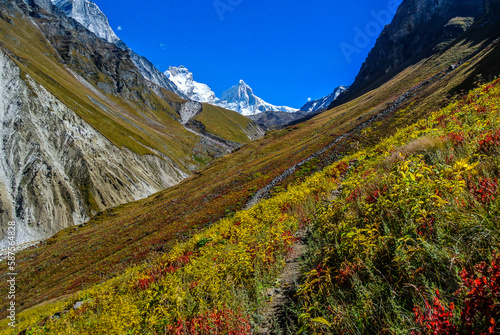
(180,71)
(239,93)
(184,81)
(241,99)
(89,15)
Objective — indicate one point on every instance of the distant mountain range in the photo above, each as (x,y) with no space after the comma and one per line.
(239,98)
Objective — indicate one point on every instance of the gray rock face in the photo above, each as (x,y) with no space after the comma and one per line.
(418,27)
(272,119)
(151,73)
(189,110)
(44,4)
(55,169)
(89,15)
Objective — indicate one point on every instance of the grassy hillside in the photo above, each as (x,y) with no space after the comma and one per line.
(225,124)
(402,247)
(415,218)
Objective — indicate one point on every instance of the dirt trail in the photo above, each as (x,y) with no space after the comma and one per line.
(278,315)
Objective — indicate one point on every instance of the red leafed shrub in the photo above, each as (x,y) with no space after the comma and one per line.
(353,195)
(223,321)
(442,120)
(489,143)
(158,272)
(488,88)
(457,139)
(285,208)
(481,110)
(373,197)
(342,168)
(426,227)
(481,314)
(485,190)
(346,271)
(436,319)
(145,283)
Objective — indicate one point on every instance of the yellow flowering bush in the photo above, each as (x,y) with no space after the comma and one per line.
(415,210)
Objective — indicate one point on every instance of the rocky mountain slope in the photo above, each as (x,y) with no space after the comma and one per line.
(419,29)
(273,120)
(151,73)
(83,131)
(89,15)
(56,170)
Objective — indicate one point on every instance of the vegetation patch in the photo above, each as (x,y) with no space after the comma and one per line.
(412,243)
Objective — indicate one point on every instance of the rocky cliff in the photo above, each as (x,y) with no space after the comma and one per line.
(55,169)
(419,29)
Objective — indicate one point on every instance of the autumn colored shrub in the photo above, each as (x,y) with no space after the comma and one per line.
(223,321)
(481,314)
(481,309)
(485,190)
(490,143)
(435,318)
(457,139)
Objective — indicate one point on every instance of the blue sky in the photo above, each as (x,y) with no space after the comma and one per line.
(287,51)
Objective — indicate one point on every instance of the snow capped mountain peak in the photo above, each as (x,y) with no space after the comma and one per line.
(180,71)
(184,81)
(239,93)
(88,14)
(241,99)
